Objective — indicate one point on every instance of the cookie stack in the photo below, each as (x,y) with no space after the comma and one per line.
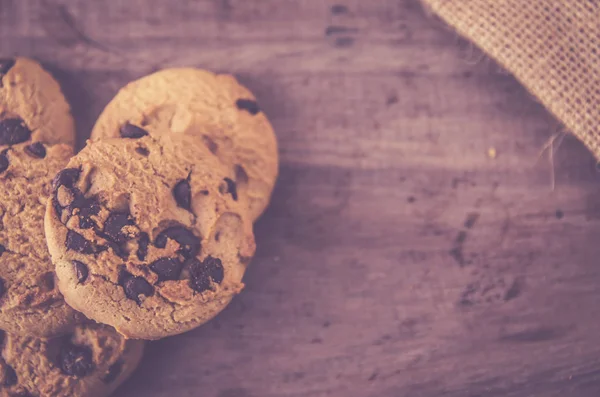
(148,228)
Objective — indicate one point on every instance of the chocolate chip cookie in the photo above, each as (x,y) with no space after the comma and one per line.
(149,236)
(36,138)
(215,110)
(93,360)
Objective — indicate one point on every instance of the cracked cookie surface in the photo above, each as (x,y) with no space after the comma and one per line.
(36,137)
(149,236)
(214,109)
(92,360)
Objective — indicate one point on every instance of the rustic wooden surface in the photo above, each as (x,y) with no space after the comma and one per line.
(398,258)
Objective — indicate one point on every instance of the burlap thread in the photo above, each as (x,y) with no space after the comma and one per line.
(551,46)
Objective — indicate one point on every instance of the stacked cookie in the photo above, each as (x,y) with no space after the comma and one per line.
(149,227)
(48,349)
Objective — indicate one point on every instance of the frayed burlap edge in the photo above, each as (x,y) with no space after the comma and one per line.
(552,48)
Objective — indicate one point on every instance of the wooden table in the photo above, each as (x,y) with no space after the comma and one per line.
(418,243)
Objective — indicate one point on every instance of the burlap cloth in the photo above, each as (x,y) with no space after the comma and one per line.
(551,46)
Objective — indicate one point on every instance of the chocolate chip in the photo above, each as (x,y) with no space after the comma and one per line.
(2,288)
(2,249)
(81,271)
(70,198)
(189,243)
(167,268)
(248,105)
(161,240)
(78,200)
(13,131)
(57,207)
(183,194)
(240,174)
(215,269)
(36,149)
(28,298)
(3,161)
(231,188)
(2,335)
(88,207)
(5,66)
(201,273)
(118,249)
(113,372)
(143,242)
(129,130)
(124,275)
(75,360)
(115,222)
(86,223)
(78,243)
(10,376)
(66,178)
(142,150)
(135,286)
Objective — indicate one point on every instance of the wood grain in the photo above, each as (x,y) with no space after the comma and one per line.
(397,258)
